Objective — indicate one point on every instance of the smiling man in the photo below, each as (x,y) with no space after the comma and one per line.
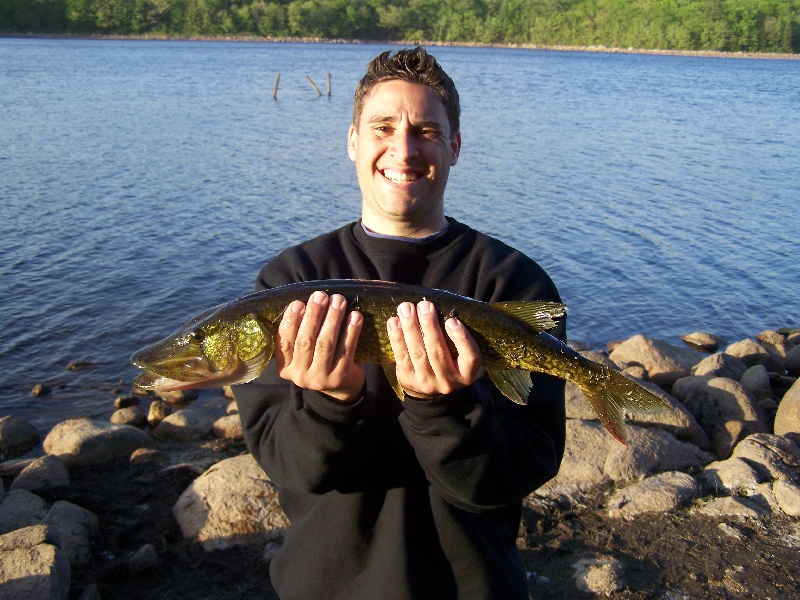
(390,499)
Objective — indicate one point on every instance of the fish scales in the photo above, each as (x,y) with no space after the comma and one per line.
(232,343)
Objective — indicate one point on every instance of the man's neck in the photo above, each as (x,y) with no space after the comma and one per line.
(403,230)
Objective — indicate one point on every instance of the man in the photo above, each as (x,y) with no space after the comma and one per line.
(391,499)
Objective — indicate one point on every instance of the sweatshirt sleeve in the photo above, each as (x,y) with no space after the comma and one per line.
(480,450)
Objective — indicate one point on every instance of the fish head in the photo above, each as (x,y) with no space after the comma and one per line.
(215,348)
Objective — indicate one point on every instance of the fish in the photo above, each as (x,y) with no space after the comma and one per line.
(232,343)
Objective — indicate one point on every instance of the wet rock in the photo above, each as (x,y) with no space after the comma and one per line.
(718,404)
(185,425)
(43,474)
(232,503)
(32,567)
(125,401)
(143,560)
(787,419)
(665,363)
(21,508)
(131,415)
(792,362)
(787,495)
(720,365)
(600,575)
(80,442)
(74,528)
(159,410)
(41,389)
(228,427)
(756,381)
(17,436)
(703,341)
(660,493)
(79,365)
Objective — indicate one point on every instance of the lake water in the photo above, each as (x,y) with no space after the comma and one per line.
(144,181)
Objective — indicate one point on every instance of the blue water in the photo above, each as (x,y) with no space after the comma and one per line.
(141,182)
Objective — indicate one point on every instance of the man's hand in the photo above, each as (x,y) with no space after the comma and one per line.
(426,368)
(316,343)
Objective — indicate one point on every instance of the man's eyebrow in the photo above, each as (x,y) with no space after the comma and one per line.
(431,124)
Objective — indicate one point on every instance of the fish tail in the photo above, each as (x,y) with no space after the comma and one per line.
(611,394)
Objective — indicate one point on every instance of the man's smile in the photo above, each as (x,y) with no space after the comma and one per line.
(400,176)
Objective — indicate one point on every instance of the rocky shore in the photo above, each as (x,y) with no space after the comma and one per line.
(163,500)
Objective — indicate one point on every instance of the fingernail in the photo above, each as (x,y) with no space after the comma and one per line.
(319,297)
(393,323)
(404,310)
(452,323)
(337,301)
(424,307)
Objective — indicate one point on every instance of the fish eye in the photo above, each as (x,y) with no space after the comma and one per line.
(197,337)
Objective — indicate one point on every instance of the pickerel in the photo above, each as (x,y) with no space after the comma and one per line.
(233,342)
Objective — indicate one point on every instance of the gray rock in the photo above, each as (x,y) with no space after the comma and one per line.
(228,427)
(751,352)
(45,473)
(787,419)
(733,475)
(232,503)
(792,362)
(725,410)
(593,458)
(185,425)
(143,560)
(756,381)
(773,456)
(702,340)
(720,365)
(148,455)
(787,495)
(74,528)
(21,508)
(159,410)
(81,442)
(775,345)
(665,363)
(31,567)
(129,415)
(178,397)
(17,436)
(660,493)
(732,506)
(600,575)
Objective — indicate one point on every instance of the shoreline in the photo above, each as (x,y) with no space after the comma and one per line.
(298,40)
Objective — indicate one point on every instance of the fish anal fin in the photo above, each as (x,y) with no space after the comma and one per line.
(537,314)
(514,384)
(391,374)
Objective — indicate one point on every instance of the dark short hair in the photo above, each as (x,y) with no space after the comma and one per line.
(415,66)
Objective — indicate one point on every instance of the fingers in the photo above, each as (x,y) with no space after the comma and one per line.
(426,367)
(316,346)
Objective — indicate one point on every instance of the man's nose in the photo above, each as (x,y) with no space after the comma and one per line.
(404,144)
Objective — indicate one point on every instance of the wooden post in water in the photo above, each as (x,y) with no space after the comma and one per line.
(329,84)
(314,85)
(275,89)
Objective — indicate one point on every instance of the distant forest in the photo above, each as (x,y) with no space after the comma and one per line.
(719,25)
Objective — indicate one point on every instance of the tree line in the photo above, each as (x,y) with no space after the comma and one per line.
(718,25)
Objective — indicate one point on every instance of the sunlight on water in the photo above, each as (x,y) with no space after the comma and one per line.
(146,181)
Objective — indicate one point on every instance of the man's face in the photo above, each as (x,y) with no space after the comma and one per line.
(403,149)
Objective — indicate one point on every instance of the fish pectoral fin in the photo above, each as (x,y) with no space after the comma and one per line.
(515,384)
(391,374)
(537,314)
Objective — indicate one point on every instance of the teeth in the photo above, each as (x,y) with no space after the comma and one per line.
(397,177)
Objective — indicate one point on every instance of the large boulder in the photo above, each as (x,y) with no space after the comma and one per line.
(723,407)
(43,474)
(787,419)
(73,528)
(185,425)
(661,493)
(21,508)
(81,442)
(231,504)
(665,363)
(31,566)
(17,436)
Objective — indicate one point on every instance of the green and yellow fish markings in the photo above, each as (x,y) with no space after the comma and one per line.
(233,342)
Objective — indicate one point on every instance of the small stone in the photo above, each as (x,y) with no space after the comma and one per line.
(79,365)
(756,381)
(143,560)
(732,531)
(41,389)
(131,415)
(125,401)
(17,436)
(148,455)
(703,341)
(228,427)
(159,410)
(43,474)
(599,575)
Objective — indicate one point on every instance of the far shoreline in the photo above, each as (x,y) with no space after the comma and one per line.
(298,40)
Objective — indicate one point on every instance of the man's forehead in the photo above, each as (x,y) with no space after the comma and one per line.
(390,101)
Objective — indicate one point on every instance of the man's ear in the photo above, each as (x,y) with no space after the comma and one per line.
(455,149)
(352,142)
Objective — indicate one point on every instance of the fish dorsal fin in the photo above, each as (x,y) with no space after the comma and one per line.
(391,374)
(537,314)
(515,384)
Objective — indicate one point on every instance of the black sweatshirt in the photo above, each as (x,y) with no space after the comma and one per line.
(414,499)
